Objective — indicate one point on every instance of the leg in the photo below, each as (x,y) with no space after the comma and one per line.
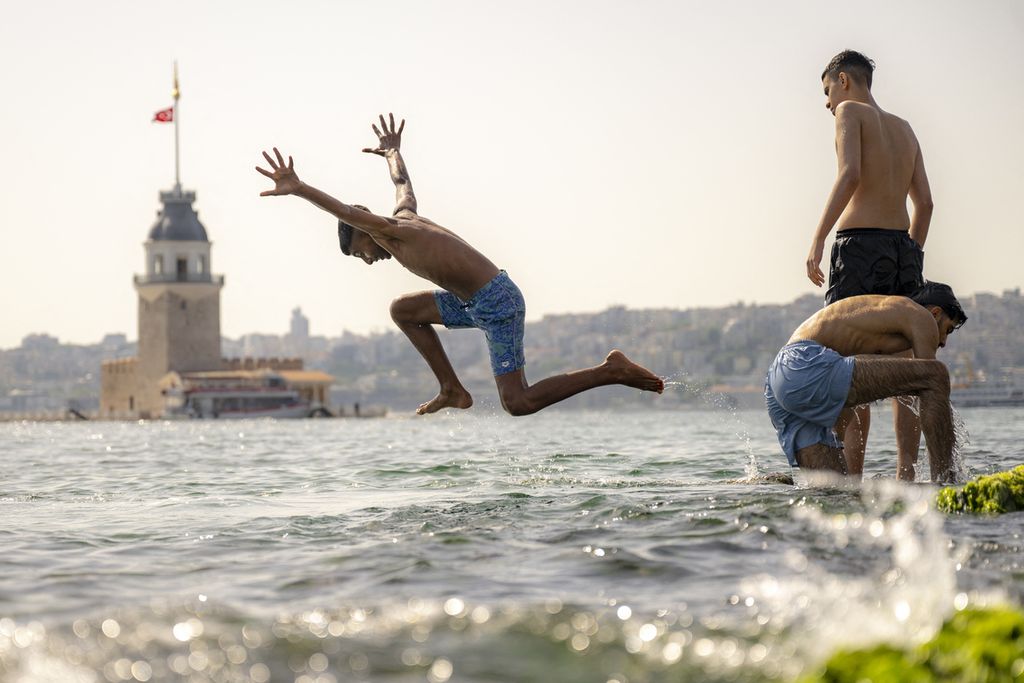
(415,315)
(908,437)
(501,314)
(519,398)
(877,378)
(907,426)
(853,425)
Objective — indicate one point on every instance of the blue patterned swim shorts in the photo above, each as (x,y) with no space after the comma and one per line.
(499,310)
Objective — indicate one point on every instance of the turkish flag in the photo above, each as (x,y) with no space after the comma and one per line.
(164,115)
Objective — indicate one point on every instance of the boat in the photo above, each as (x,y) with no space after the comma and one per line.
(234,395)
(1005,391)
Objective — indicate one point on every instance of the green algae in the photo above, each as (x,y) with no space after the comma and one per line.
(973,645)
(988,494)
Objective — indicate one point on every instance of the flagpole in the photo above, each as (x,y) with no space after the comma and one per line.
(177,114)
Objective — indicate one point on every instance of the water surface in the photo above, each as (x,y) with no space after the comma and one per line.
(470,546)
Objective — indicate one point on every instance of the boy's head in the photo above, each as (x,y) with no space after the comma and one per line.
(848,70)
(941,302)
(355,242)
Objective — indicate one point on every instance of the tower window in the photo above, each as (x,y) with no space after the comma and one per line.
(182,269)
(158,264)
(202,264)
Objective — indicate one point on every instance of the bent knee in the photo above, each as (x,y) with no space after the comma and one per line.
(415,309)
(403,309)
(518,405)
(398,310)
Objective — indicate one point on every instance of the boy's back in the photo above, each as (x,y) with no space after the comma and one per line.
(437,254)
(888,157)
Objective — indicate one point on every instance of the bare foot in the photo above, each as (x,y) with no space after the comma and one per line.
(629,373)
(451,398)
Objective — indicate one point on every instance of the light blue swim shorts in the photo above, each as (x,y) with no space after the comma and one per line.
(499,310)
(805,391)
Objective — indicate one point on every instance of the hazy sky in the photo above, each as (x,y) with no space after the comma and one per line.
(651,154)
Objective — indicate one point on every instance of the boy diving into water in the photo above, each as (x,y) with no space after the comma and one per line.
(474,292)
(821,372)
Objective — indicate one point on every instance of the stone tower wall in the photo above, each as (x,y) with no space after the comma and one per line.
(119,388)
(179,330)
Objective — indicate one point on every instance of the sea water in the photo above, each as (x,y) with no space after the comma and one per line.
(471,546)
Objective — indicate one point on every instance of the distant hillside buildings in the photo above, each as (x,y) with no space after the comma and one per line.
(726,348)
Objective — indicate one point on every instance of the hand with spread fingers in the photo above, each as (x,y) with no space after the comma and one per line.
(284,177)
(389,139)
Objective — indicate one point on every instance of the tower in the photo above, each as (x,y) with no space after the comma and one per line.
(299,325)
(179,299)
(179,302)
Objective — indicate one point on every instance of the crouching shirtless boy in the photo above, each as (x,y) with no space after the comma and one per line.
(825,368)
(474,292)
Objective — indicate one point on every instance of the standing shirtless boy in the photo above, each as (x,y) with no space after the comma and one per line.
(474,292)
(878,247)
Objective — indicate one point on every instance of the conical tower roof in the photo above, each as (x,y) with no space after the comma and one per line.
(178,221)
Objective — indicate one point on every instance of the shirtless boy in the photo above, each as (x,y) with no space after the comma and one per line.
(820,372)
(474,292)
(878,247)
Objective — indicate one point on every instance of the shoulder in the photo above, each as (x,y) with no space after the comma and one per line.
(416,220)
(895,302)
(408,221)
(895,121)
(898,127)
(900,121)
(904,309)
(865,301)
(877,308)
(853,109)
(852,117)
(908,131)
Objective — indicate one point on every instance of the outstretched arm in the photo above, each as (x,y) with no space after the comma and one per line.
(286,181)
(388,146)
(848,152)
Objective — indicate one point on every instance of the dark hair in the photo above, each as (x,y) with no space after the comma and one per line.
(345,237)
(345,233)
(938,294)
(852,62)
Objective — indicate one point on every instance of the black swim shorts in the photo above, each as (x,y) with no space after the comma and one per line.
(874,261)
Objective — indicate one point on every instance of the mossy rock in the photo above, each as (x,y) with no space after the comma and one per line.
(988,494)
(973,645)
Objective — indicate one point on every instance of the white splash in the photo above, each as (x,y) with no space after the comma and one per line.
(900,598)
(723,407)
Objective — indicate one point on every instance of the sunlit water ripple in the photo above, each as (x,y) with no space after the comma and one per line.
(566,546)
